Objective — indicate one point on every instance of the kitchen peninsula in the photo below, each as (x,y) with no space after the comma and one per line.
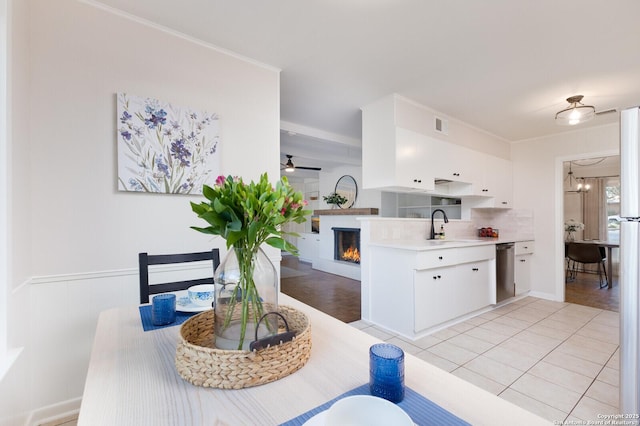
(413,286)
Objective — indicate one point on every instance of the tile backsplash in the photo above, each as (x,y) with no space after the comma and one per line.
(513,224)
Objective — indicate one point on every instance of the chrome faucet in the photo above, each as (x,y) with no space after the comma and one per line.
(433,231)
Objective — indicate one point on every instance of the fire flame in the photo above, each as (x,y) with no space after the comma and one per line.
(351,254)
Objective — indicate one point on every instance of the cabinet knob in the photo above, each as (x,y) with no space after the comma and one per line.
(439,277)
(485,190)
(418,180)
(526,247)
(523,260)
(440,257)
(504,202)
(475,269)
(435,278)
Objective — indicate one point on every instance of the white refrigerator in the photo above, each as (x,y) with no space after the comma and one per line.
(629,259)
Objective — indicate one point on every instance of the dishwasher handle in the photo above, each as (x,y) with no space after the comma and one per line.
(504,246)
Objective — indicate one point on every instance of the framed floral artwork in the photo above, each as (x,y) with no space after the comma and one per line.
(165,148)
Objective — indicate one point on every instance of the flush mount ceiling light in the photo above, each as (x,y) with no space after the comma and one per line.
(576,113)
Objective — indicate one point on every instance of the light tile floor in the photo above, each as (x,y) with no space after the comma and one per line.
(558,360)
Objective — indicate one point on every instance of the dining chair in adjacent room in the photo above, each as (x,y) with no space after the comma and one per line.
(145,260)
(585,254)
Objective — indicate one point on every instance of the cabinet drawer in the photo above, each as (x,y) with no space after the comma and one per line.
(437,258)
(524,247)
(445,257)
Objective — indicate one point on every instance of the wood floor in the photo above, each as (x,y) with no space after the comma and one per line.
(585,290)
(334,295)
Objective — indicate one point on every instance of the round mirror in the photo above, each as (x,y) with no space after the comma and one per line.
(348,188)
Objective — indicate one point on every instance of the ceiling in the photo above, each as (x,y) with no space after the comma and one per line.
(500,65)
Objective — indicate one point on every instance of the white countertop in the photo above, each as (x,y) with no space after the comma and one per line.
(132,380)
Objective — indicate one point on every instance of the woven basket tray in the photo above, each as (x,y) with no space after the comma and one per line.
(200,363)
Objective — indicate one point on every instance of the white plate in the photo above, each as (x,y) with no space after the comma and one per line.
(366,410)
(183,304)
(317,420)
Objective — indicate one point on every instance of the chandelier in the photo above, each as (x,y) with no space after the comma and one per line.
(579,182)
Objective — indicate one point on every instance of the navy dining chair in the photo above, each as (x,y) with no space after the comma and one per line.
(145,260)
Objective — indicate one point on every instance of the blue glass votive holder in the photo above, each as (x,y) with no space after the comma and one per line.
(163,309)
(386,372)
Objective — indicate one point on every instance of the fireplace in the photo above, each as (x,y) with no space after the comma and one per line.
(346,244)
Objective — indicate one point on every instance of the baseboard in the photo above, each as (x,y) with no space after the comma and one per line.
(8,360)
(53,412)
(547,296)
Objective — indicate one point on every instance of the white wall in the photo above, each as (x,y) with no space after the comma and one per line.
(537,169)
(420,118)
(76,236)
(15,385)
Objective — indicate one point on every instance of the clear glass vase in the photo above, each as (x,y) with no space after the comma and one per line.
(246,289)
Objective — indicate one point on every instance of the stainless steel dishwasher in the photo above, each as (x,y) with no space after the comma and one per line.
(505,276)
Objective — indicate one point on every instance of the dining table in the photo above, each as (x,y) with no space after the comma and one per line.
(132,380)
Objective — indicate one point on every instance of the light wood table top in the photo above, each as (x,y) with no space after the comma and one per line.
(132,380)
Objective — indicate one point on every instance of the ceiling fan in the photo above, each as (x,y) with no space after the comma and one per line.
(290,167)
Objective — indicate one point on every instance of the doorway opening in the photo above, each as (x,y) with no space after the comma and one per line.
(591,213)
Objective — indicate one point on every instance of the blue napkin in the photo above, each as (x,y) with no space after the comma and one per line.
(422,411)
(147,325)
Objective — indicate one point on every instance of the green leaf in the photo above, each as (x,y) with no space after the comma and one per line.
(208,192)
(200,209)
(232,237)
(282,244)
(218,206)
(253,231)
(207,230)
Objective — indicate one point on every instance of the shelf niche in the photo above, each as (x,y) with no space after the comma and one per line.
(419,205)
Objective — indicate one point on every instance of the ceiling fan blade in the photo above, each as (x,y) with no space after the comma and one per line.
(290,164)
(606,111)
(308,168)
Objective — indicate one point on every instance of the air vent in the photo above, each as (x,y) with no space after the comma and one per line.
(441,126)
(606,111)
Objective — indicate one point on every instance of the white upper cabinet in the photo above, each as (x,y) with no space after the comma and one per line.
(450,162)
(403,151)
(411,151)
(496,185)
(393,157)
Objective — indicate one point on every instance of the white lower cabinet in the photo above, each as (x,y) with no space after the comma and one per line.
(411,291)
(429,286)
(523,255)
(308,247)
(443,294)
